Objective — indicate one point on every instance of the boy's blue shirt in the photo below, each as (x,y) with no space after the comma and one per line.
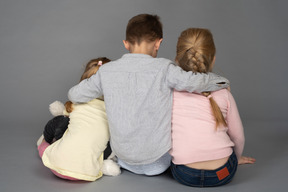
(138,92)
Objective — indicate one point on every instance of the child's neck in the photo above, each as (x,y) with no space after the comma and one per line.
(144,48)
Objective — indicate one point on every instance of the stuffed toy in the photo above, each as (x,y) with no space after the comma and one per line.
(67,141)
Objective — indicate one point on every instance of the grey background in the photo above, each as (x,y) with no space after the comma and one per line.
(45,44)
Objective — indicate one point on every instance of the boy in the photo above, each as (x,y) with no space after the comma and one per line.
(138,90)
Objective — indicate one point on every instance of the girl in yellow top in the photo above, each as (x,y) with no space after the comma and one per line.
(78,155)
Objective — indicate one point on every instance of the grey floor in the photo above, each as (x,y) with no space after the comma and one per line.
(22,169)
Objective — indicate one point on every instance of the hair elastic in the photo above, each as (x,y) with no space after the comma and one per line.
(209,96)
(99,63)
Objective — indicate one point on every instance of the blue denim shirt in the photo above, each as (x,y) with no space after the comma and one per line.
(138,90)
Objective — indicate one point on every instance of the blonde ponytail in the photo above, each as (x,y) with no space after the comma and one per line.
(219,118)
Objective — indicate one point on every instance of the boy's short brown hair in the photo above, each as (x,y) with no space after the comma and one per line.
(144,27)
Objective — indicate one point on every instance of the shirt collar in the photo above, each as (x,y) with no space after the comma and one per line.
(136,55)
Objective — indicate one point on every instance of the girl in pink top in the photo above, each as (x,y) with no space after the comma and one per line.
(207,132)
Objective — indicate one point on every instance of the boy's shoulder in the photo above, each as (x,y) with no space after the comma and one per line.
(137,62)
(162,59)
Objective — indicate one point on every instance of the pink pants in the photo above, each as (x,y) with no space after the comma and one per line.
(41,149)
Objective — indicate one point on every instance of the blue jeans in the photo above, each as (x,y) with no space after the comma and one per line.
(205,178)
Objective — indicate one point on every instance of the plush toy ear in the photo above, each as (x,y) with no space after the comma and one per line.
(57,108)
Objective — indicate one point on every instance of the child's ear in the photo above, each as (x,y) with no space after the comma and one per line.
(158,43)
(126,45)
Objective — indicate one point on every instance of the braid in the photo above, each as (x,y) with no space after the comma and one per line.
(218,116)
(195,52)
(194,61)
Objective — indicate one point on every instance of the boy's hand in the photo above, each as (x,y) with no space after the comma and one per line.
(246,160)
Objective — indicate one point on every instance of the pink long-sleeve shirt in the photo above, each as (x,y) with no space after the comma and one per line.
(194,135)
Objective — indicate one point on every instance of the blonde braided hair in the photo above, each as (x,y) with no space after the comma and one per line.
(195,52)
(192,60)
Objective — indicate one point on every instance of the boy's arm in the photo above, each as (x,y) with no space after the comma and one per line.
(181,80)
(86,90)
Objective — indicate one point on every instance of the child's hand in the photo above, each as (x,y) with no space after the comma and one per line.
(69,106)
(246,160)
